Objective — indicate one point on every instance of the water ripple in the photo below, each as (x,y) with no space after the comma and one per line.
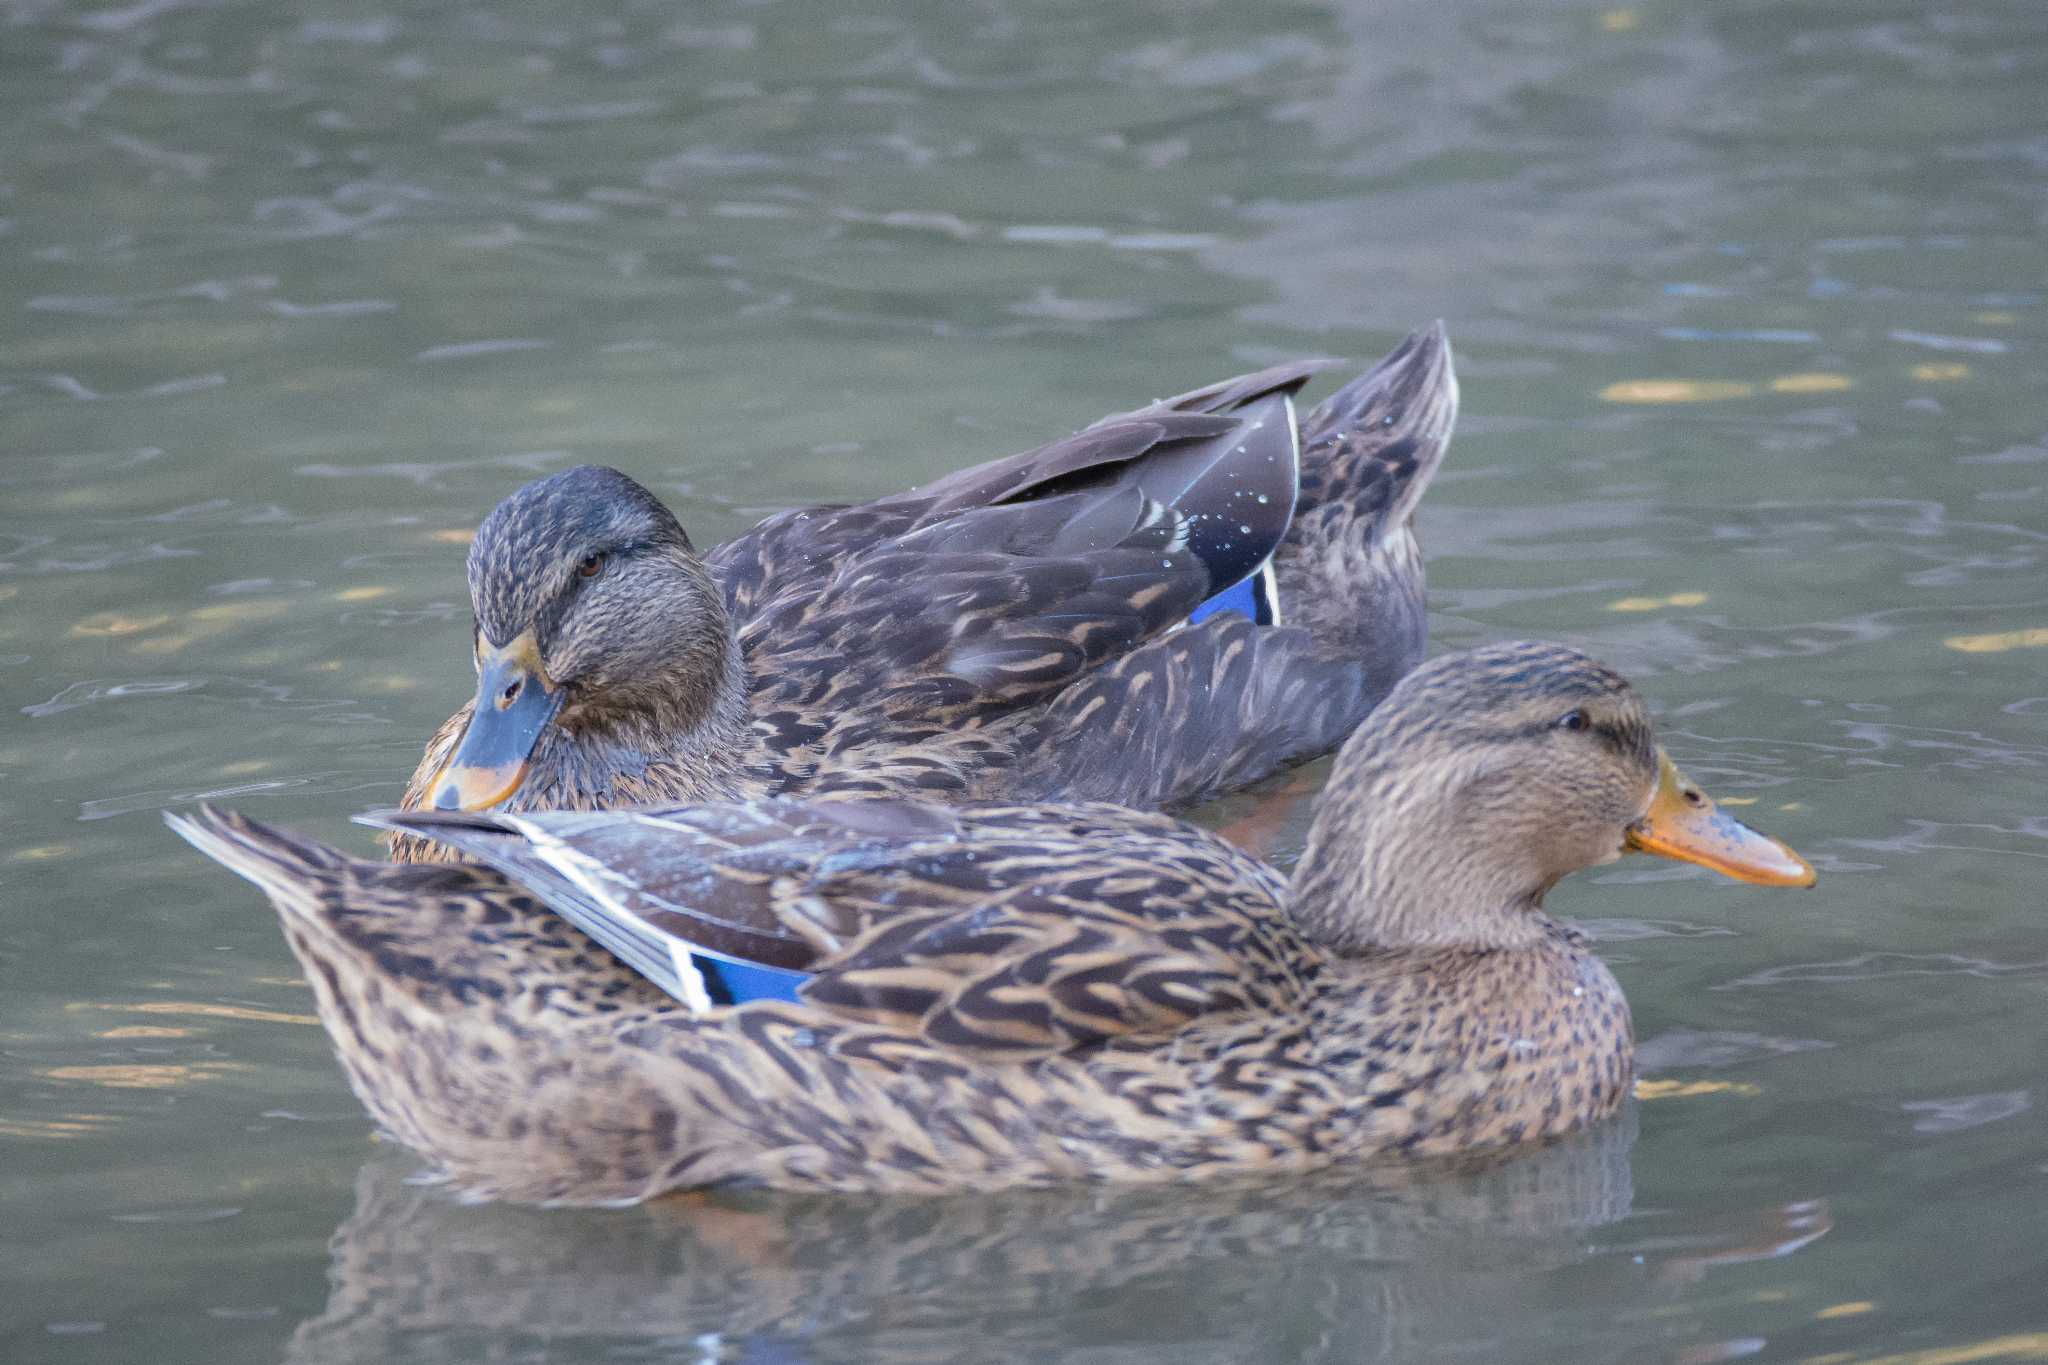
(326,783)
(1682,1049)
(1958,1112)
(1924,836)
(1879,966)
(247,693)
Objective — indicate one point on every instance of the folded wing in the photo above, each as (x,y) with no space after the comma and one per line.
(1004,582)
(999,932)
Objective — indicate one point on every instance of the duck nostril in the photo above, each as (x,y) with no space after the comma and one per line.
(511,692)
(1693,797)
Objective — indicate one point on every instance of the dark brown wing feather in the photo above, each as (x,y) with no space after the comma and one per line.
(907,654)
(784,552)
(1060,964)
(1198,713)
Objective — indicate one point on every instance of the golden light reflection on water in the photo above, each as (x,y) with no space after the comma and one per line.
(65,1126)
(1685,1090)
(139,1075)
(162,633)
(113,623)
(1677,599)
(1818,381)
(200,1008)
(1675,391)
(247,609)
(2035,637)
(1720,390)
(2017,1346)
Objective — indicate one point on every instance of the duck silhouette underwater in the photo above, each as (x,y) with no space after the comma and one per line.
(1016,631)
(1003,995)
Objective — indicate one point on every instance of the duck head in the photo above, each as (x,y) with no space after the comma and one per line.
(597,625)
(1485,778)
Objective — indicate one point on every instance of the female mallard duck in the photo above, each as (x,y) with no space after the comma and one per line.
(1011,631)
(1013,995)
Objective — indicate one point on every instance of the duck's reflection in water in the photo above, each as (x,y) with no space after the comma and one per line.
(1353,1265)
(1506,1257)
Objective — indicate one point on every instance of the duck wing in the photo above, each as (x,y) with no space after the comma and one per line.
(1194,714)
(999,932)
(986,594)
(1202,487)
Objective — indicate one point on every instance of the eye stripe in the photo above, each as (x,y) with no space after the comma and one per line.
(1624,738)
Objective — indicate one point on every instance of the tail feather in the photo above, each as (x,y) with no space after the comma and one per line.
(1374,446)
(570,883)
(283,865)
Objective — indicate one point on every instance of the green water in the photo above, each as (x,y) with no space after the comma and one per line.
(290,294)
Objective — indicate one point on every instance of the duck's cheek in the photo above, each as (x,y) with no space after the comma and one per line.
(594,707)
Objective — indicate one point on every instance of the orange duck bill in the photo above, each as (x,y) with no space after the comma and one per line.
(1684,823)
(515,704)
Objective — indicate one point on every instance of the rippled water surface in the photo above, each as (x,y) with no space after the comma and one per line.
(1748,298)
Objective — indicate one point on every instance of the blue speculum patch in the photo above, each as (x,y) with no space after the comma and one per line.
(736,983)
(1251,596)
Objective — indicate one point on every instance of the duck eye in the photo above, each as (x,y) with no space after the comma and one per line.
(591,567)
(1572,720)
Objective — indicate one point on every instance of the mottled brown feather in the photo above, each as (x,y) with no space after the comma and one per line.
(1007,995)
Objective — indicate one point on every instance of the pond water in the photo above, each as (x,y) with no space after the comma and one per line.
(1749,306)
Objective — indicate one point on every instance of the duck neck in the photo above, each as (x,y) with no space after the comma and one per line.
(1397,863)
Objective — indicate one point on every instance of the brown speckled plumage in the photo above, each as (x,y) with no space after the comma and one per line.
(983,637)
(1003,995)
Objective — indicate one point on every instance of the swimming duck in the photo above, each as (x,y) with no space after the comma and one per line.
(1016,630)
(1012,995)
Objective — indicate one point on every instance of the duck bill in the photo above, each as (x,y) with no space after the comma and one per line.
(515,704)
(1684,823)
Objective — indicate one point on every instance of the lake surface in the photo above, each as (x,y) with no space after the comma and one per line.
(1749,306)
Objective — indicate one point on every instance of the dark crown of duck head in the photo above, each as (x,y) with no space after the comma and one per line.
(1505,692)
(527,550)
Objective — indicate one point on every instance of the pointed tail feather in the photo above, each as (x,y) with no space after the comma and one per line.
(572,885)
(1374,445)
(284,866)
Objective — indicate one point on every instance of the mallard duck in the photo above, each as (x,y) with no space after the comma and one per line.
(1008,995)
(1013,631)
